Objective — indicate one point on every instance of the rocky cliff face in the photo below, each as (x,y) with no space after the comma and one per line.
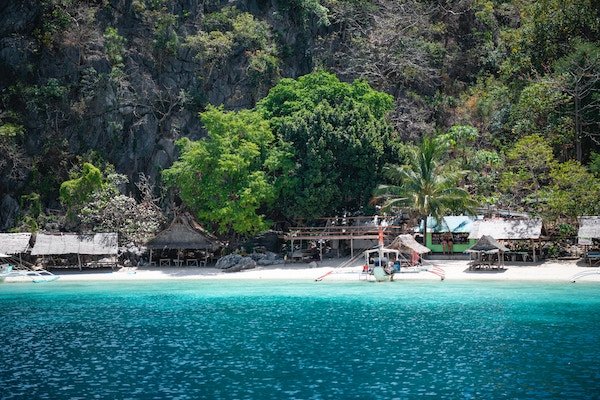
(77,88)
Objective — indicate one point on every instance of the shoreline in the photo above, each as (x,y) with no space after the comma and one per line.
(456,270)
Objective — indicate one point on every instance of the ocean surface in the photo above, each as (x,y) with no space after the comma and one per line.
(299,340)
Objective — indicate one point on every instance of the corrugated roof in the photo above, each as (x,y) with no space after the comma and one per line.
(72,243)
(507,229)
(14,243)
(184,233)
(589,228)
(407,242)
(449,223)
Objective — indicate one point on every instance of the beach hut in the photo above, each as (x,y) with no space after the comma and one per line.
(458,226)
(408,245)
(523,233)
(588,236)
(183,234)
(14,245)
(489,253)
(91,250)
(589,229)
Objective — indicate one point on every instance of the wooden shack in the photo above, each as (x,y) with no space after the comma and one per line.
(67,250)
(15,245)
(459,226)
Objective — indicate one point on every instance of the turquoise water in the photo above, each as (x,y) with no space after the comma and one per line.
(262,340)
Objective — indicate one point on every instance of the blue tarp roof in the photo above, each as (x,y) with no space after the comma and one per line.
(449,223)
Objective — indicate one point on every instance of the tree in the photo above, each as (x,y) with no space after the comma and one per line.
(77,191)
(338,134)
(528,164)
(110,211)
(425,186)
(580,74)
(571,192)
(227,178)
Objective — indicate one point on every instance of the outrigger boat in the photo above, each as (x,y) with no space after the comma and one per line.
(36,276)
(381,263)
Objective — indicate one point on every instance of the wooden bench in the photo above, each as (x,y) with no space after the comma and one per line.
(593,258)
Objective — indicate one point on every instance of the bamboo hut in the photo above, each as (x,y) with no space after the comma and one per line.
(589,229)
(489,253)
(14,245)
(91,250)
(183,234)
(407,244)
(523,232)
(588,236)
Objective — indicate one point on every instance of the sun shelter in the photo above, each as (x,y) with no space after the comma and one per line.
(407,244)
(525,231)
(184,234)
(15,244)
(489,253)
(91,246)
(588,236)
(589,229)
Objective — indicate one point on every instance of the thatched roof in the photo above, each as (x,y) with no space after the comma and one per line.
(449,223)
(72,243)
(184,233)
(589,228)
(407,242)
(14,243)
(507,229)
(487,244)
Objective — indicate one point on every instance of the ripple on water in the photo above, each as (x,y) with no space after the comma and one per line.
(226,340)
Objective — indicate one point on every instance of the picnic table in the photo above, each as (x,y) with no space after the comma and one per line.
(593,258)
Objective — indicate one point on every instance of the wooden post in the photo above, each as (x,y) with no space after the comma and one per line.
(351,247)
(79,260)
(150,258)
(321,249)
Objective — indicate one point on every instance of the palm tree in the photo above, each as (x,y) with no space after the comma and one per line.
(425,186)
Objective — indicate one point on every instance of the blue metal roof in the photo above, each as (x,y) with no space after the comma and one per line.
(449,223)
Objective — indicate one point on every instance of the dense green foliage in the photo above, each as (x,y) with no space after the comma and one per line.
(227,178)
(77,191)
(510,86)
(338,134)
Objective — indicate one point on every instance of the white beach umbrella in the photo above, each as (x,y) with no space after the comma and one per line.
(2,255)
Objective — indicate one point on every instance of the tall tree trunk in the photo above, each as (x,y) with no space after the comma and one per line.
(578,133)
(425,231)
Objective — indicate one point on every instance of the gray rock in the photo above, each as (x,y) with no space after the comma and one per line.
(235,263)
(245,263)
(9,210)
(268,258)
(228,261)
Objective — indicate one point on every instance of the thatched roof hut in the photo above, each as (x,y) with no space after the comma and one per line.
(488,245)
(184,234)
(72,243)
(14,243)
(589,228)
(506,229)
(408,243)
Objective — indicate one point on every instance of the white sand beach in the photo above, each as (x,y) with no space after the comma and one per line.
(456,270)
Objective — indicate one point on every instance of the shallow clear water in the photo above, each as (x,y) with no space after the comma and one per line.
(304,340)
